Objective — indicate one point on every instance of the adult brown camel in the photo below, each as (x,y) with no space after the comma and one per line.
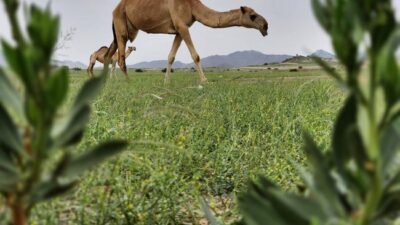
(100,54)
(174,17)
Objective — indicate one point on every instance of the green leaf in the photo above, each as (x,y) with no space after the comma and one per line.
(322,183)
(89,91)
(66,132)
(346,140)
(363,124)
(8,181)
(322,14)
(43,30)
(48,190)
(88,160)
(295,209)
(328,68)
(209,215)
(380,104)
(9,96)
(9,137)
(6,163)
(57,88)
(17,62)
(304,209)
(387,67)
(256,211)
(394,112)
(389,204)
(390,144)
(32,111)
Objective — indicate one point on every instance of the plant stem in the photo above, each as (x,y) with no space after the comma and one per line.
(18,210)
(19,215)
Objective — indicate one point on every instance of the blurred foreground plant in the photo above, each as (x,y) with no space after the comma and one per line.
(358,180)
(36,161)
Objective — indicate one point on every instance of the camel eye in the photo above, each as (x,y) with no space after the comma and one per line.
(253,17)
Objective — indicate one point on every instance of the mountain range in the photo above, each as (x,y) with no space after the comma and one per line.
(236,59)
(69,64)
(323,55)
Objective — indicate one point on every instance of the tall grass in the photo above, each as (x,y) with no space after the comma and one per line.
(188,142)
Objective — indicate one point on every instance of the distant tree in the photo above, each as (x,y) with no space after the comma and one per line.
(139,71)
(62,43)
(76,69)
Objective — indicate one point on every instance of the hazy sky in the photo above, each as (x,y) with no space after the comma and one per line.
(293,30)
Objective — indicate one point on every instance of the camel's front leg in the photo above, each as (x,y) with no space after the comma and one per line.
(171,57)
(184,33)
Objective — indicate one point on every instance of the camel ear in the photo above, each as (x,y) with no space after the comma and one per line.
(243,9)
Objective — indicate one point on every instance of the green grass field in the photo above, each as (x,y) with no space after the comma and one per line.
(189,142)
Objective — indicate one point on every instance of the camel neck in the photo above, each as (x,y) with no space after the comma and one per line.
(214,19)
(228,19)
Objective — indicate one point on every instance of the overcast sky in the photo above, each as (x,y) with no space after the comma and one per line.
(293,30)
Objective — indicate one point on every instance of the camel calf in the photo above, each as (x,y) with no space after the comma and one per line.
(100,55)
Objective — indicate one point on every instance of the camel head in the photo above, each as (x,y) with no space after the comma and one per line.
(251,19)
(131,49)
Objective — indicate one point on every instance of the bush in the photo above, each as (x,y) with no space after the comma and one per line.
(356,181)
(293,70)
(139,70)
(76,69)
(32,134)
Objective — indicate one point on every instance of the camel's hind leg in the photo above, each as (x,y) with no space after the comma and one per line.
(91,65)
(121,56)
(171,57)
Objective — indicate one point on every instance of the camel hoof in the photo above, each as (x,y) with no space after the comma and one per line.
(203,81)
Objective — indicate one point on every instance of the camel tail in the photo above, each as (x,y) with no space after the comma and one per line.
(114,35)
(113,47)
(203,14)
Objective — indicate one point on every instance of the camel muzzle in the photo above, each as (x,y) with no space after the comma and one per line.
(264,30)
(264,33)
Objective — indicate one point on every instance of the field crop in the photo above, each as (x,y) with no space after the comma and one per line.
(189,141)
